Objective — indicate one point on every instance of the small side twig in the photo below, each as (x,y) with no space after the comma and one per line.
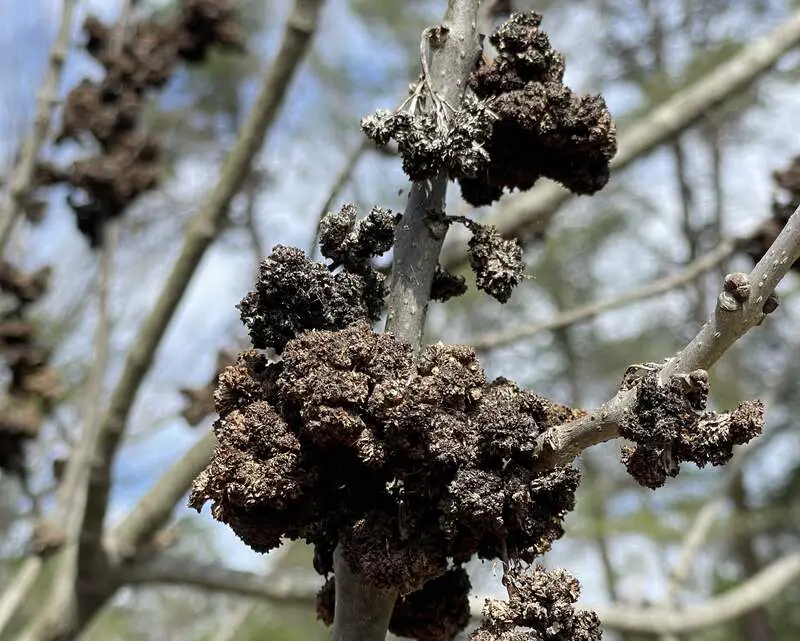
(588,311)
(561,444)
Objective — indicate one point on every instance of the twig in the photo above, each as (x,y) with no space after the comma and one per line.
(753,593)
(342,178)
(230,628)
(529,213)
(153,510)
(561,444)
(46,100)
(585,312)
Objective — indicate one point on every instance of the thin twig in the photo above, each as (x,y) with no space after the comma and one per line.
(46,101)
(529,213)
(561,444)
(585,312)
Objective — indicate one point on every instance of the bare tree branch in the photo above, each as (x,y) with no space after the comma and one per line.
(529,213)
(200,233)
(154,509)
(692,271)
(756,591)
(18,589)
(753,593)
(46,102)
(561,444)
(63,615)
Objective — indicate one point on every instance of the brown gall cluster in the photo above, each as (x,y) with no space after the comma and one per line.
(517,123)
(542,128)
(408,465)
(33,385)
(788,181)
(669,425)
(542,603)
(295,293)
(108,112)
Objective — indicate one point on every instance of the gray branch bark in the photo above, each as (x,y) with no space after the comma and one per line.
(362,611)
(529,213)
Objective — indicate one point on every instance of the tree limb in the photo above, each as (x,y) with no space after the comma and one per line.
(753,593)
(198,237)
(561,444)
(46,101)
(527,214)
(692,271)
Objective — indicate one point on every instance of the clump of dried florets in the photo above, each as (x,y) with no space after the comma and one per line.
(32,384)
(109,111)
(406,463)
(542,602)
(295,293)
(669,425)
(783,207)
(517,123)
(542,128)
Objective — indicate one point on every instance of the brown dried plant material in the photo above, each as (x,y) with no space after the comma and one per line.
(348,440)
(788,181)
(109,111)
(542,603)
(518,122)
(669,425)
(542,129)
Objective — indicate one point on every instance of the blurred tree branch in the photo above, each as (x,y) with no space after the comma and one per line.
(585,312)
(66,612)
(751,594)
(46,101)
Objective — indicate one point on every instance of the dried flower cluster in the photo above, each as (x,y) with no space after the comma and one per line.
(33,385)
(518,122)
(543,603)
(109,111)
(788,181)
(669,425)
(294,293)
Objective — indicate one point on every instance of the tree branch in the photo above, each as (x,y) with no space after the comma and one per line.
(663,285)
(46,101)
(753,593)
(362,611)
(561,444)
(153,510)
(525,215)
(200,233)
